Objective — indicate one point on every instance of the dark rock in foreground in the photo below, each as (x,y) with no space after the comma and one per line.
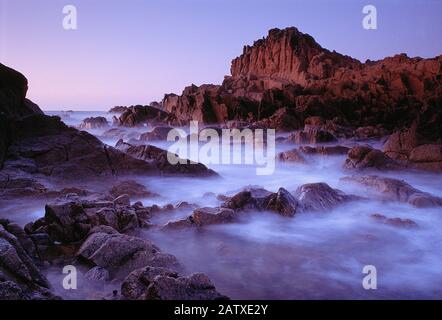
(162,284)
(20,278)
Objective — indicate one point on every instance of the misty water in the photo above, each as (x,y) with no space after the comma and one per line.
(313,255)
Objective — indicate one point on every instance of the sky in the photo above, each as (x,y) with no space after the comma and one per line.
(127,52)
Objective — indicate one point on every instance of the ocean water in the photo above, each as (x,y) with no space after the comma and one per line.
(311,256)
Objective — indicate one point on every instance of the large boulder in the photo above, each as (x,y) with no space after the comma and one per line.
(396,190)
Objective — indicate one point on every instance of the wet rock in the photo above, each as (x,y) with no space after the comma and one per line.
(121,254)
(163,284)
(320,197)
(396,222)
(396,190)
(364,157)
(94,123)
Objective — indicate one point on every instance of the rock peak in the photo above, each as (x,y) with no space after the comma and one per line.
(289,55)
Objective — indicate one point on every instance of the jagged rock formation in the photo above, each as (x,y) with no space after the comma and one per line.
(288,69)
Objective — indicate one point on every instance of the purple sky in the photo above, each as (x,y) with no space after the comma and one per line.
(134,51)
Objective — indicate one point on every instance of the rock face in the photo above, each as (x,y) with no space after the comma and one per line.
(94,123)
(288,69)
(396,190)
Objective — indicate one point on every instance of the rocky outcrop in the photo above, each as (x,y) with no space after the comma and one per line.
(94,123)
(289,70)
(396,190)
